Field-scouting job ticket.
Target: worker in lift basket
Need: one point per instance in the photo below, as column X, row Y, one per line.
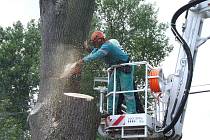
column 112, row 53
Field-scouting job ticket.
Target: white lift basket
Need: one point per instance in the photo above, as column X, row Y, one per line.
column 141, row 125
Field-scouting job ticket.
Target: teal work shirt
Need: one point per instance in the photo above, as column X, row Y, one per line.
column 111, row 52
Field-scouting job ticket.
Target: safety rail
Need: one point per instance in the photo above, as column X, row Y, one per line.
column 154, row 107
column 145, row 89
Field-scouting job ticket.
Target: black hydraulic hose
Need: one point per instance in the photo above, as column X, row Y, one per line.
column 189, row 60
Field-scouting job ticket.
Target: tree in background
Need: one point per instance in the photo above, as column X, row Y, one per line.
column 134, row 23
column 19, row 74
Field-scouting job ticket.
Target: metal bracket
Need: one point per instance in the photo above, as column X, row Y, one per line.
column 201, row 41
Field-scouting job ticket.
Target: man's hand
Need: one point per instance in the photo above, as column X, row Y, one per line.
column 77, row 69
column 80, row 62
column 72, row 69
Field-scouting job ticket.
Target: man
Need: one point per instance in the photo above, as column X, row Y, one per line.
column 112, row 53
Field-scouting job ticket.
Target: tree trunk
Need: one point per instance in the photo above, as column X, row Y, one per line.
column 64, row 26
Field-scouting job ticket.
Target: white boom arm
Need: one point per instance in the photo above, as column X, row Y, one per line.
column 176, row 84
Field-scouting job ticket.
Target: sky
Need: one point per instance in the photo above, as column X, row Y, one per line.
column 14, row 10
column 197, row 118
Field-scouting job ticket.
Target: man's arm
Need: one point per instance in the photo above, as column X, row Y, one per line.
column 95, row 55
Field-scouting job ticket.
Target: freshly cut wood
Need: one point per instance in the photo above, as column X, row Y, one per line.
column 77, row 95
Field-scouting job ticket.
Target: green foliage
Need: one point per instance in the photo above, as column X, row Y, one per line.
column 134, row 24
column 87, row 78
column 19, row 74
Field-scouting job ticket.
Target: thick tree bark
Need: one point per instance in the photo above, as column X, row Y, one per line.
column 64, row 26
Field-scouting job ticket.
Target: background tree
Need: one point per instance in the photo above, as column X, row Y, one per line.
column 134, row 23
column 19, row 61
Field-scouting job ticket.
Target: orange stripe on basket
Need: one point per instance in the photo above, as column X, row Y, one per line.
column 154, row 82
